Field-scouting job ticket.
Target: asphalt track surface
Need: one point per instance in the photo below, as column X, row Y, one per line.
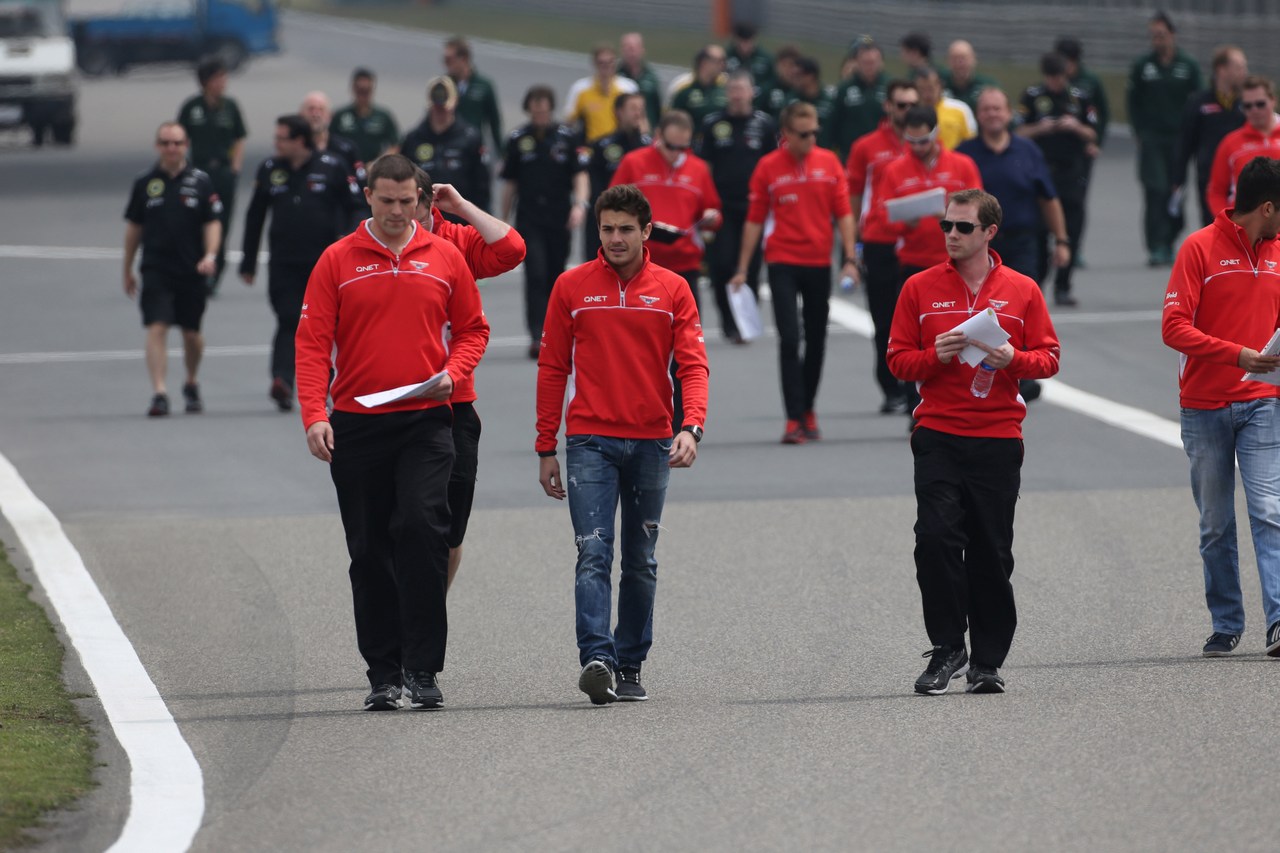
column 788, row 629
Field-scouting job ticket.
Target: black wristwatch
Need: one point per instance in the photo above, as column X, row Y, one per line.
column 693, row 430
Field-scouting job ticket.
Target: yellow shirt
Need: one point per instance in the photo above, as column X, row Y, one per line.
column 953, row 126
column 595, row 108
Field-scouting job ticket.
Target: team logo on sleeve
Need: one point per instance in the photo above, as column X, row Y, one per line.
column 424, row 152
column 155, row 188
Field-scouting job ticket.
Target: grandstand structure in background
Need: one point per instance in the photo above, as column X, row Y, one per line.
column 1113, row 32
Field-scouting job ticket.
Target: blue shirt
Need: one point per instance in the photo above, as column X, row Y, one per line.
column 1018, row 177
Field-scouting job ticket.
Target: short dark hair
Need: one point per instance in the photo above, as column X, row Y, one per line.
column 678, row 119
column 394, row 167
column 1162, row 17
column 1259, row 182
column 209, row 68
column 1254, row 81
column 1053, row 65
column 787, row 51
column 919, row 42
column 625, row 198
column 424, row 184
column 298, row 128
column 1069, row 47
column 1222, row 55
column 861, row 45
column 621, row 101
column 989, row 212
column 603, row 47
column 363, row 73
column 895, row 85
column 460, row 47
column 921, row 116
column 538, row 92
column 808, row 65
column 744, row 31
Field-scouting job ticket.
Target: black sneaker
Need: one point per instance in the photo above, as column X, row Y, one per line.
column 1273, row 640
column 282, row 393
column 945, row 663
column 984, row 679
column 596, row 680
column 1219, row 645
column 629, row 687
column 191, row 393
column 159, row 406
column 385, row 697
column 424, row 695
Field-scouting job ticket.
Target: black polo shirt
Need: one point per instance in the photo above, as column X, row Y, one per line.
column 732, row 145
column 542, row 163
column 311, row 207
column 173, row 212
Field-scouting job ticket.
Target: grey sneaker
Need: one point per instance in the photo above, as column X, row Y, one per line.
column 596, row 680
column 629, row 687
column 424, row 694
column 1219, row 645
column 984, row 679
column 945, row 663
column 1273, row 640
column 385, row 697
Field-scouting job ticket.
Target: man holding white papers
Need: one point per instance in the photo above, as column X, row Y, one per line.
column 968, row 440
column 1223, row 299
column 398, row 305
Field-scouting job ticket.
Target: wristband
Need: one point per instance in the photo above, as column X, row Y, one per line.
column 546, row 453
column 853, row 261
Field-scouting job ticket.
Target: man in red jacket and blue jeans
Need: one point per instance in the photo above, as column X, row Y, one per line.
column 387, row 306
column 967, row 442
column 1221, row 307
column 613, row 325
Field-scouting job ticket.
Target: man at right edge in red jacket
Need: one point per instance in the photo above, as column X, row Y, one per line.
column 1221, row 307
column 967, row 442
column 613, row 325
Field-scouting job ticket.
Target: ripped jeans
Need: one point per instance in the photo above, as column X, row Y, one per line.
column 601, row 473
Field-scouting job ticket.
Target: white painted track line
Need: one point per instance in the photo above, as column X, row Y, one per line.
column 166, row 787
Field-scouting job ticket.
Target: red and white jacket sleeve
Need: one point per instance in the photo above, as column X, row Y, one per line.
column 555, row 363
column 910, row 358
column 1039, row 357
column 485, row 260
column 1181, row 299
column 691, row 358
column 1218, row 191
column 314, row 339
column 468, row 328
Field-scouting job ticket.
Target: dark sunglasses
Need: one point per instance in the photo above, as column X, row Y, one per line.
column 166, row 143
column 965, row 228
column 806, row 134
column 672, row 147
column 1253, row 105
column 904, row 105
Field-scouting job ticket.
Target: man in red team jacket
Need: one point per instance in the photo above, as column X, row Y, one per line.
column 386, row 298
column 1221, row 308
column 1260, row 137
column 799, row 189
column 490, row 247
column 968, row 441
column 614, row 325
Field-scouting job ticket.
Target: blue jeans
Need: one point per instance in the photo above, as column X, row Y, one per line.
column 1215, row 440
column 600, row 471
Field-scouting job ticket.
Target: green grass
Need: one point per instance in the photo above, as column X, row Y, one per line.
column 664, row 45
column 46, row 747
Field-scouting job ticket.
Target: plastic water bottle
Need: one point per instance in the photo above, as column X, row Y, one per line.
column 846, row 284
column 982, row 380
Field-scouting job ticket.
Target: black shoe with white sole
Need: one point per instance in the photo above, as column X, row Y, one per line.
column 1273, row 640
column 424, row 694
column 945, row 663
column 596, row 680
column 629, row 687
column 984, row 679
column 1219, row 645
column 385, row 697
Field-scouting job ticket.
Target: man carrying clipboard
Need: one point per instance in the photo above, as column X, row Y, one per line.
column 1223, row 299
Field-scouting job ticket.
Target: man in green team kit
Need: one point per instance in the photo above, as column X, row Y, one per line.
column 477, row 97
column 1159, row 84
column 371, row 128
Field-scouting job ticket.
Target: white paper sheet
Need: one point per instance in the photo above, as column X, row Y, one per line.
column 404, row 392
column 917, row 205
column 746, row 313
column 1272, row 348
column 983, row 326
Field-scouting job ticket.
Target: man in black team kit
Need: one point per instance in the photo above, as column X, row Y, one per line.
column 606, row 153
column 312, row 198
column 173, row 215
column 732, row 142
column 447, row 148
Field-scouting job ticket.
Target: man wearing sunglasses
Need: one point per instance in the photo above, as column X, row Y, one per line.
column 867, row 157
column 800, row 189
column 967, row 444
column 1260, row 137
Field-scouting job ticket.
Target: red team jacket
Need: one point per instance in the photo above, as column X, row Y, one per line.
column 611, row 342
column 867, row 158
column 936, row 301
column 394, row 320
column 796, row 201
column 924, row 245
column 1223, row 295
column 1234, row 152
column 678, row 195
column 484, row 261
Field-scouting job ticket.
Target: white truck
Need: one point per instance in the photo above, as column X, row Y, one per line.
column 38, row 78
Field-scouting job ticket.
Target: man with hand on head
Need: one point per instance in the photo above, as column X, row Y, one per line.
column 967, row 444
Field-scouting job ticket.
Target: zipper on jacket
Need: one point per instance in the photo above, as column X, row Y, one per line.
column 1252, row 262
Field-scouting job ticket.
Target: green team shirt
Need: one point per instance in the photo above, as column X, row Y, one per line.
column 478, row 106
column 1157, row 93
column 1091, row 87
column 968, row 94
column 856, row 111
column 371, row 135
column 700, row 101
column 760, row 64
column 650, row 87
column 213, row 130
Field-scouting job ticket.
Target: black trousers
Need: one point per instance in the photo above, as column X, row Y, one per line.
column 286, row 286
column 391, row 473
column 883, row 283
column 546, row 251
column 722, row 262
column 677, row 392
column 800, row 375
column 966, row 491
column 466, row 464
